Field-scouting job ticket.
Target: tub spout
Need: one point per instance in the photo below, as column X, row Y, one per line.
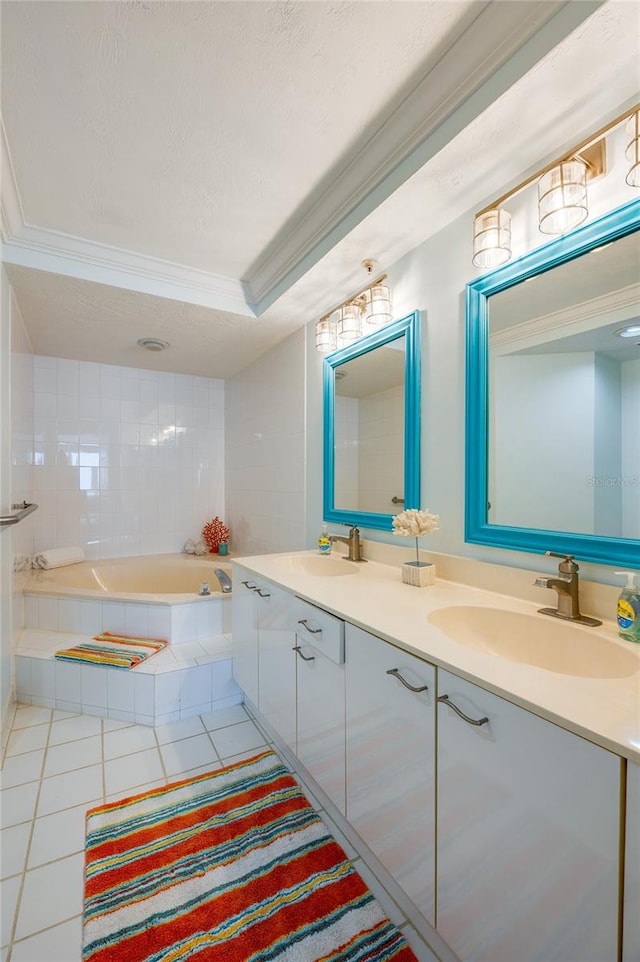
column 224, row 579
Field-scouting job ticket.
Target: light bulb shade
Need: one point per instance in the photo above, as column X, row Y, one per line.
column 562, row 197
column 632, row 150
column 349, row 324
column 492, row 238
column 326, row 336
column 378, row 310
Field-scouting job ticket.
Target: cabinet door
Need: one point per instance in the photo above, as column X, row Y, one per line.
column 390, row 748
column 244, row 632
column 321, row 719
column 277, row 661
column 527, row 836
column 631, row 925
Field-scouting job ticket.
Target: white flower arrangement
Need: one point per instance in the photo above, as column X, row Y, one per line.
column 413, row 523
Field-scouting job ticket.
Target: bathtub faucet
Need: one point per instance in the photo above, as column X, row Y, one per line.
column 224, row 579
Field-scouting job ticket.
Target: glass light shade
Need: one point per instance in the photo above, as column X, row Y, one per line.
column 349, row 324
column 326, row 336
column 632, row 150
column 562, row 197
column 492, row 238
column 378, row 309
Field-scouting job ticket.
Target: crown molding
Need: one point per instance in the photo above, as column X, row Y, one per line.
column 59, row 253
column 10, row 203
column 618, row 306
column 503, row 42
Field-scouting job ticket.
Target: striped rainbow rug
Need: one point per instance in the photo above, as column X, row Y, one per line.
column 232, row 866
column 115, row 651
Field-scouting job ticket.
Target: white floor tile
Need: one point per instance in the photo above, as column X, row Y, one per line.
column 70, row 789
column 74, row 727
column 71, row 755
column 18, row 804
column 63, row 943
column 27, row 739
column 127, row 741
column 58, row 835
column 28, row 715
column 236, row 739
column 114, row 725
column 19, row 769
column 189, row 753
column 51, row 894
column 60, row 714
column 175, row 731
column 224, row 717
column 13, row 849
column 139, row 789
column 10, row 891
column 200, row 770
column 131, row 771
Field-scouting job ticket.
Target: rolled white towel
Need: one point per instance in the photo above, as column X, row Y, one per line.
column 58, row 557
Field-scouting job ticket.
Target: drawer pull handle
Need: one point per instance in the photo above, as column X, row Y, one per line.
column 250, row 585
column 313, row 631
column 396, row 672
column 471, row 721
column 263, row 594
column 304, row 657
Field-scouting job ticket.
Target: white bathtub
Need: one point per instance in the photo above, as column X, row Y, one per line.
column 148, row 595
column 165, row 579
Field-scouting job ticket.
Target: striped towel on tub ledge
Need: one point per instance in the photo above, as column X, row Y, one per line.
column 115, row 651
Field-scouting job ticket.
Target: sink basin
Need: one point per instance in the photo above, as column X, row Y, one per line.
column 318, row 566
column 536, row 640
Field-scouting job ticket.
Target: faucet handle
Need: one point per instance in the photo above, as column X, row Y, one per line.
column 568, row 564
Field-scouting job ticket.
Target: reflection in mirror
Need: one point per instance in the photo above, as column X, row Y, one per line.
column 564, row 397
column 372, row 427
column 553, row 397
column 369, row 430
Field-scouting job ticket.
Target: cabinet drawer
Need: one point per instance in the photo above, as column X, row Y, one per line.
column 320, row 629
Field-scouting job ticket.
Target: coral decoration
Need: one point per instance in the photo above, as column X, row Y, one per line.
column 413, row 523
column 214, row 533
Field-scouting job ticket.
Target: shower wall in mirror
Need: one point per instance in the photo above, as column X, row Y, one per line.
column 553, row 396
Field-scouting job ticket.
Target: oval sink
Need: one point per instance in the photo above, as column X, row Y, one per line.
column 536, row 640
column 318, row 566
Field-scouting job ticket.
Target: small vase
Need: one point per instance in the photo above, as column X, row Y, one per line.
column 418, row 573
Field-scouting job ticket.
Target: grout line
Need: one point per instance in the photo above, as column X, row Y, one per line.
column 102, row 761
column 48, row 928
column 162, row 764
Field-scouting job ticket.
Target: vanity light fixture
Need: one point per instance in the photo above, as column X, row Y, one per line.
column 632, row 150
column 562, row 192
column 344, row 323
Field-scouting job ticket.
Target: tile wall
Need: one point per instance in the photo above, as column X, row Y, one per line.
column 265, row 451
column 125, row 461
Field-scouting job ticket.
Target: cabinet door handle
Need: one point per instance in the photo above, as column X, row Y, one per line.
column 313, row 631
column 250, row 586
column 396, row 673
column 304, row 657
column 263, row 594
column 471, row 721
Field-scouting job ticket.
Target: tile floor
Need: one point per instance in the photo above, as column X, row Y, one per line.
column 56, row 766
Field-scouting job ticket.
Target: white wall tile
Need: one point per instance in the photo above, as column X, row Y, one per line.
column 113, row 616
column 43, row 678
column 90, row 617
column 120, row 691
column 144, row 694
column 31, row 611
column 136, row 619
column 195, row 686
column 68, row 615
column 167, row 692
column 208, row 619
column 183, row 623
column 48, row 614
column 223, row 685
column 93, row 686
column 23, row 676
column 159, row 622
column 67, row 683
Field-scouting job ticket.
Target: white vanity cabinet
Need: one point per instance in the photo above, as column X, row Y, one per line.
column 244, row 601
column 320, row 698
column 390, row 744
column 631, row 926
column 527, row 838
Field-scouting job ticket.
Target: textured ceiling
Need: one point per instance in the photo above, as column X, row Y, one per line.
column 193, row 132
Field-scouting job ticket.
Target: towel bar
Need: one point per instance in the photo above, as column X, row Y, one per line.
column 22, row 510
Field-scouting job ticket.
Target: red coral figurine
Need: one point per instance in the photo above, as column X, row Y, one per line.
column 214, row 533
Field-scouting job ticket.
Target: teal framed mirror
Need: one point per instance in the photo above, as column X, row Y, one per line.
column 372, row 427
column 553, row 397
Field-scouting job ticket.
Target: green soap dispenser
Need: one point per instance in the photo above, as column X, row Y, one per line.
column 629, row 608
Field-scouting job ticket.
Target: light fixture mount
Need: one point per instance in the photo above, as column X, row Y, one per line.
column 153, row 343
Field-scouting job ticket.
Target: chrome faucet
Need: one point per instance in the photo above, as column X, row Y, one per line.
column 567, row 586
column 353, row 542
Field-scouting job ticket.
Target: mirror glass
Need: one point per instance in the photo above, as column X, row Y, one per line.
column 371, row 422
column 553, row 403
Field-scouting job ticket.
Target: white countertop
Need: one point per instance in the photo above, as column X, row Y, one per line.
column 604, row 710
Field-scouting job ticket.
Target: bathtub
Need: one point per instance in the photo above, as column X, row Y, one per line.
column 148, row 595
column 164, row 579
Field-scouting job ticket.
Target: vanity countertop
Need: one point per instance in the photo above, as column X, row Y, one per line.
column 604, row 710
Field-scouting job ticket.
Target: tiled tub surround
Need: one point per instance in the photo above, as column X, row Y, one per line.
column 177, row 683
column 68, row 605
column 89, row 598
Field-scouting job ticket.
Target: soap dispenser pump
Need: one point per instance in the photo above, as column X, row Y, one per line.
column 628, row 613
